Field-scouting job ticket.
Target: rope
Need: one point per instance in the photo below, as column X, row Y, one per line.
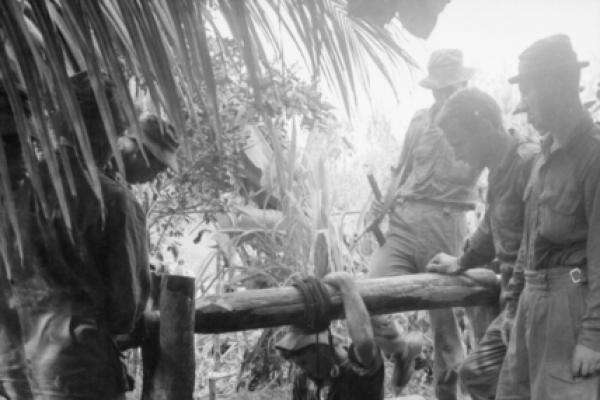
column 317, row 316
column 317, row 304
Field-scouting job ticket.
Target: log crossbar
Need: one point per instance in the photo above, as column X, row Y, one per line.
column 168, row 345
column 254, row 309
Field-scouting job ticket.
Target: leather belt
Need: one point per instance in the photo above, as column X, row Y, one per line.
column 555, row 277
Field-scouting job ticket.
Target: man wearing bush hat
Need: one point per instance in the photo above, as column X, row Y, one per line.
column 72, row 289
column 554, row 350
column 427, row 201
column 159, row 144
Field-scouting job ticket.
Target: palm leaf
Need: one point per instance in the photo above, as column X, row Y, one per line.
column 164, row 45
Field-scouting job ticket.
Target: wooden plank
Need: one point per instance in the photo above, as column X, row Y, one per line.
column 264, row 308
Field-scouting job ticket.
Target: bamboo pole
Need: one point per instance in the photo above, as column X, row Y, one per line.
column 253, row 309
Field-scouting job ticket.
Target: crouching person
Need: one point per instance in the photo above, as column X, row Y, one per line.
column 153, row 153
column 335, row 371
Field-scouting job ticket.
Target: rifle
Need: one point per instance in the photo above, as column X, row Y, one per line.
column 400, row 174
column 374, row 226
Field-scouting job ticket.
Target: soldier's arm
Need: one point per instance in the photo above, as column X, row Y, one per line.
column 126, row 264
column 590, row 328
column 479, row 248
column 399, row 173
column 404, row 165
column 357, row 320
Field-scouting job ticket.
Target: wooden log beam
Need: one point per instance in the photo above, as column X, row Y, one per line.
column 253, row 309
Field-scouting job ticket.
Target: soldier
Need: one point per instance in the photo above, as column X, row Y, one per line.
column 160, row 146
column 472, row 123
column 339, row 372
column 13, row 374
column 554, row 348
column 76, row 289
column 428, row 199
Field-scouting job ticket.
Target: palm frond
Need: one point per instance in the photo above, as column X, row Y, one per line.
column 163, row 44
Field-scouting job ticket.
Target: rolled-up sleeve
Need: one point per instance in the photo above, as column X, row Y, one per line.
column 590, row 328
column 126, row 264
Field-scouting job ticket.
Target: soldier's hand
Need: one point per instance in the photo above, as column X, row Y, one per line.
column 339, row 280
column 505, row 297
column 585, row 361
column 443, row 263
column 377, row 209
column 507, row 324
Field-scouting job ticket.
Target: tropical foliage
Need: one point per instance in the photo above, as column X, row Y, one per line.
column 231, row 108
column 163, row 44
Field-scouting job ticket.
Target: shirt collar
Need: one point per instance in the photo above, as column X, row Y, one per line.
column 549, row 146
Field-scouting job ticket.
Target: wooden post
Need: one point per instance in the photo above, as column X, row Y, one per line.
column 174, row 373
column 212, row 388
column 150, row 343
column 253, row 309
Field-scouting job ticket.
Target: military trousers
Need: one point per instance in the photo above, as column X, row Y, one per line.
column 417, row 232
column 480, row 371
column 544, row 335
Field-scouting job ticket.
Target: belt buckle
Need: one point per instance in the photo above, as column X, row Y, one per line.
column 576, row 275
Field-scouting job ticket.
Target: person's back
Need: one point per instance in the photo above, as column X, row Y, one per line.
column 74, row 288
column 74, row 292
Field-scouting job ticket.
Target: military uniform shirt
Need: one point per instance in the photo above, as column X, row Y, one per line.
column 562, row 217
column 499, row 234
column 433, row 171
column 71, row 295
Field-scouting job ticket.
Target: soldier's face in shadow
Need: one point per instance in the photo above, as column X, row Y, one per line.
column 442, row 94
column 318, row 361
column 534, row 106
column 548, row 97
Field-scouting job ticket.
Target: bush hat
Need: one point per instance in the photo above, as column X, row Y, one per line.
column 445, row 68
column 550, row 54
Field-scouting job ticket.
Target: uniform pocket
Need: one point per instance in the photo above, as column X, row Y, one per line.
column 563, row 202
column 558, row 212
